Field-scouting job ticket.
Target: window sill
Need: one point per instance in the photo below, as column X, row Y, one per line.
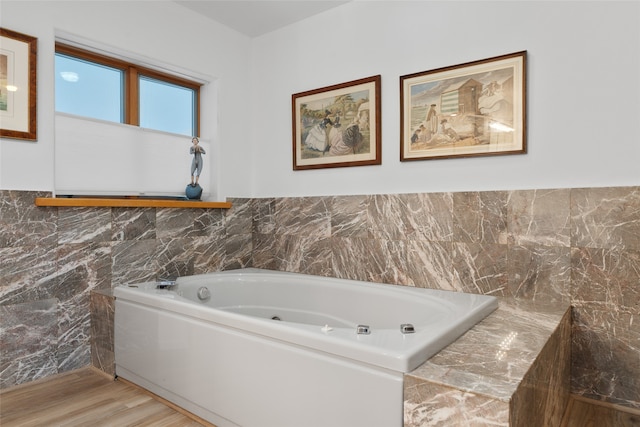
column 128, row 203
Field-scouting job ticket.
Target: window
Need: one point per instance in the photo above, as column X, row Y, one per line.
column 97, row 94
column 93, row 85
column 166, row 106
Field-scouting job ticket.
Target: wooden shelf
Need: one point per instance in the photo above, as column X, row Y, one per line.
column 128, row 203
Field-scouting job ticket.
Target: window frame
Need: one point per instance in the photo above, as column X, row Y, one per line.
column 131, row 74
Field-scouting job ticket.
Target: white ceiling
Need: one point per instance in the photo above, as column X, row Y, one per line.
column 255, row 18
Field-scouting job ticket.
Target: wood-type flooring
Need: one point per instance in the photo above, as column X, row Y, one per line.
column 89, row 398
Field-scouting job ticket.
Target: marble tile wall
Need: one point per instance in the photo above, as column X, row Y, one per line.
column 51, row 259
column 580, row 246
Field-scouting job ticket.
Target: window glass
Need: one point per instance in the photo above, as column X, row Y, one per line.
column 167, row 107
column 89, row 89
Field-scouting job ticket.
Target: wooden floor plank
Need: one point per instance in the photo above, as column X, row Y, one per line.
column 86, row 398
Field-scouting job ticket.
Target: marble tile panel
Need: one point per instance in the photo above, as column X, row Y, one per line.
column 480, row 217
column 181, row 223
column 190, row 255
column 102, row 331
column 82, row 267
column 83, row 224
column 540, row 273
column 373, row 260
column 606, row 281
column 264, row 211
column 238, row 219
column 388, row 217
column 494, row 356
column 543, row 395
column 304, row 216
column 22, row 223
column 435, row 405
column 28, row 338
column 102, row 307
column 606, row 217
column 303, row 255
column 317, row 256
column 133, row 223
column 237, row 253
column 74, row 332
column 103, row 359
column 480, row 268
column 349, row 216
column 540, row 217
column 208, row 222
column 26, row 273
column 176, row 257
column 606, row 338
column 264, row 248
column 175, row 223
column 604, row 367
column 134, row 261
column 428, row 216
column 429, row 264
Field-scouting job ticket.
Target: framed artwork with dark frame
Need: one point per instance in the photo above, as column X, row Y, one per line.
column 337, row 126
column 472, row 109
column 18, row 84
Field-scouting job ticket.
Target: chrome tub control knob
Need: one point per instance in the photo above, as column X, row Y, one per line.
column 204, row 293
column 407, row 328
column 363, row 330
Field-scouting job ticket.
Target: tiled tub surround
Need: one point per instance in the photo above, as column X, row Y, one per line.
column 511, row 369
column 577, row 246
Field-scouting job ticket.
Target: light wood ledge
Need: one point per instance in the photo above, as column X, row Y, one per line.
column 128, row 203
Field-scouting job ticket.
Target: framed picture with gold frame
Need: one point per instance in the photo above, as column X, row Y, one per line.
column 18, row 84
column 337, row 126
column 472, row 109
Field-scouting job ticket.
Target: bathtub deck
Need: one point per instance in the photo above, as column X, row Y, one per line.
column 511, row 369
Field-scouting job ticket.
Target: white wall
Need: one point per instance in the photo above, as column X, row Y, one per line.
column 583, row 91
column 159, row 30
column 583, row 98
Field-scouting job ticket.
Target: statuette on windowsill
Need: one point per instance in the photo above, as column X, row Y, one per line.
column 193, row 190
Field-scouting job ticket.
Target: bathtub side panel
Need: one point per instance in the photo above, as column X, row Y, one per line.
column 231, row 377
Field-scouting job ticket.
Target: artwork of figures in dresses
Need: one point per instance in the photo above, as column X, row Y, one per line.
column 476, row 109
column 338, row 126
column 194, row 191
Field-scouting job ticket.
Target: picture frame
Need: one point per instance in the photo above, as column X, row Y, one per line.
column 338, row 125
column 18, row 85
column 473, row 109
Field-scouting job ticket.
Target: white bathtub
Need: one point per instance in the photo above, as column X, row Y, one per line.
column 226, row 360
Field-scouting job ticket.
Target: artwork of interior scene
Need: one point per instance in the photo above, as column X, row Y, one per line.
column 337, row 125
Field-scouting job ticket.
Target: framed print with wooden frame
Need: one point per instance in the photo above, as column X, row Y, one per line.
column 337, row 126
column 472, row 109
column 18, row 83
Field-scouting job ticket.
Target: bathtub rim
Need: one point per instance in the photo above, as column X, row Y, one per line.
column 384, row 348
